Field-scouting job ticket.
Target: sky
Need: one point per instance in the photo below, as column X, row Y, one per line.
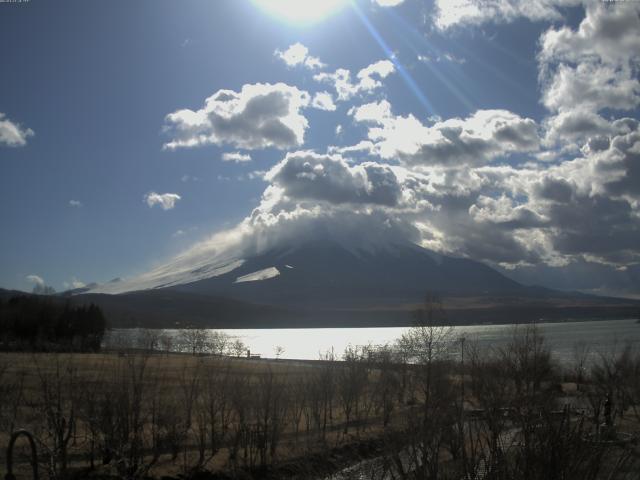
column 151, row 135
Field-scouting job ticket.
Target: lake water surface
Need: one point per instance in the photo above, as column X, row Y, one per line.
column 309, row 343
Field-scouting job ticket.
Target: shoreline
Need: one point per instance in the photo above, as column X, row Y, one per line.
column 542, row 321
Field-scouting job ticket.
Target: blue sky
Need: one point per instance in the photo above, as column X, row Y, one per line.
column 88, row 90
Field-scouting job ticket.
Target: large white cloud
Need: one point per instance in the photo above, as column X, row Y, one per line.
column 591, row 85
column 607, row 34
column 13, row 134
column 258, row 116
column 478, row 139
column 449, row 13
column 576, row 126
column 590, row 69
column 307, row 175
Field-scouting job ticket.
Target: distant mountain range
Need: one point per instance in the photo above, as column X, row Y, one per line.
column 324, row 283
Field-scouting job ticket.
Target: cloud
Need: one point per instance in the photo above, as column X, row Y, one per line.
column 259, row 116
column 367, row 80
column 388, row 3
column 365, row 146
column 609, row 35
column 582, row 209
column 446, row 57
column 39, row 287
column 575, row 126
column 503, row 210
column 36, row 280
column 307, row 175
column 74, row 283
column 13, row 134
column 590, row 69
column 166, row 200
column 591, row 85
column 323, row 101
column 470, row 186
column 189, row 178
column 478, row 139
column 298, row 55
column 595, row 66
column 579, row 210
column 236, row 157
column 450, row 13
column 75, row 203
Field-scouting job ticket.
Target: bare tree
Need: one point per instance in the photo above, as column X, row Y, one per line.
column 237, row 348
column 11, row 396
column 352, row 377
column 166, row 341
column 427, row 343
column 386, row 384
column 216, row 342
column 278, row 350
column 57, row 404
column 581, row 351
column 194, row 340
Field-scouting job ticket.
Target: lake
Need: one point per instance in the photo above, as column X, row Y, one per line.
column 309, row 343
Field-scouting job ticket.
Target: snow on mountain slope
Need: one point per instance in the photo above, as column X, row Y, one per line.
column 263, row 274
column 218, row 255
column 227, row 251
column 166, row 276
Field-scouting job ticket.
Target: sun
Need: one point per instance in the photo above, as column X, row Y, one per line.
column 301, row 11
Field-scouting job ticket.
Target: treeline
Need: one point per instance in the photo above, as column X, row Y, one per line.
column 42, row 324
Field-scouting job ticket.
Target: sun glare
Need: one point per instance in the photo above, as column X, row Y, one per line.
column 301, row 11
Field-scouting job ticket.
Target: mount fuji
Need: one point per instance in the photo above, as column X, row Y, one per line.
column 323, row 282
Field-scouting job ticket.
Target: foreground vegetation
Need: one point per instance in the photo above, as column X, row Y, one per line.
column 422, row 412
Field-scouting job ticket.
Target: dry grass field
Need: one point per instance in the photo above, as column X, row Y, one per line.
column 168, row 414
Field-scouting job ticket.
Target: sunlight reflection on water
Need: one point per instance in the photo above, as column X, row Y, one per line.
column 309, row 343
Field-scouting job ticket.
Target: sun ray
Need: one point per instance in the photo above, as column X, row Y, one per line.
column 404, row 74
column 450, row 83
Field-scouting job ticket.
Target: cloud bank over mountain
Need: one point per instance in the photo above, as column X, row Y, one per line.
column 492, row 185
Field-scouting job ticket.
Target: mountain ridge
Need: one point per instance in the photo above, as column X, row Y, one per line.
column 319, row 283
